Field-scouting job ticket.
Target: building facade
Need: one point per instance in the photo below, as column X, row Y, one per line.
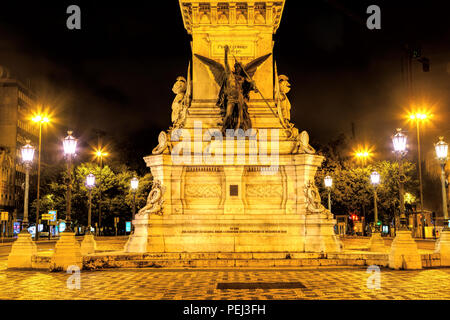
column 16, row 105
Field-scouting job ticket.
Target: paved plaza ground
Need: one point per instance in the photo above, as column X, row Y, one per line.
column 188, row 284
column 202, row 284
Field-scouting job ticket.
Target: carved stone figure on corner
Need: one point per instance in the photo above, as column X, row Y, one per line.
column 314, row 204
column 301, row 142
column 282, row 87
column 235, row 87
column 182, row 101
column 155, row 200
column 163, row 143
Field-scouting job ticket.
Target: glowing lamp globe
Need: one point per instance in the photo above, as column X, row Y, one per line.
column 134, row 184
column 328, row 181
column 70, row 144
column 90, row 180
column 441, row 149
column 27, row 152
column 399, row 141
column 375, row 178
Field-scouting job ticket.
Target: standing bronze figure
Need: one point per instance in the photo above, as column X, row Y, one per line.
column 235, row 87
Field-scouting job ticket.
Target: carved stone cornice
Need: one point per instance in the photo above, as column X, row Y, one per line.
column 203, row 13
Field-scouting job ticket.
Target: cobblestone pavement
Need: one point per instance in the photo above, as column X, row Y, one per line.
column 189, row 284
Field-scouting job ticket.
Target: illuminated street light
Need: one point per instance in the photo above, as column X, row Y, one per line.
column 443, row 245
column 90, row 183
column 100, row 154
column 376, row 242
column 27, row 158
column 362, row 155
column 24, row 249
column 40, row 119
column 419, row 117
column 403, row 244
column 399, row 142
column 328, row 180
column 134, row 184
column 442, row 155
column 70, row 146
column 375, row 179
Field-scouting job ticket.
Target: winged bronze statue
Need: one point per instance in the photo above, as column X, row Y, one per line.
column 235, row 87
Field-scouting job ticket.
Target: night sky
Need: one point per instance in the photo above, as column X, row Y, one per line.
column 116, row 73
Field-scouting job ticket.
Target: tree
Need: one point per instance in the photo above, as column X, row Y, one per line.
column 112, row 183
column 352, row 188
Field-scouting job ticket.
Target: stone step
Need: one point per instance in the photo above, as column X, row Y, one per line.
column 105, row 260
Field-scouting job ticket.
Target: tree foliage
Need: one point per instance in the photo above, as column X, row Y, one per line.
column 352, row 191
column 112, row 186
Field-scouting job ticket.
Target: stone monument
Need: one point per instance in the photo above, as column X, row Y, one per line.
column 233, row 174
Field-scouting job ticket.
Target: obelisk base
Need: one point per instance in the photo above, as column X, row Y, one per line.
column 67, row 252
column 376, row 243
column 88, row 245
column 404, row 253
column 23, row 249
column 443, row 247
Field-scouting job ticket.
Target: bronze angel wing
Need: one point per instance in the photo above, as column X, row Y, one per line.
column 217, row 69
column 253, row 65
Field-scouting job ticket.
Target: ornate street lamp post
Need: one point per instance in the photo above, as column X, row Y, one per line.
column 100, row 154
column 404, row 253
column 443, row 244
column 67, row 250
column 376, row 242
column 40, row 119
column 134, row 187
column 328, row 180
column 399, row 142
column 70, row 146
column 23, row 249
column 375, row 179
column 90, row 183
column 88, row 245
column 27, row 158
column 442, row 155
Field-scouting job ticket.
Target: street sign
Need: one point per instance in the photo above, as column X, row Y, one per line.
column 4, row 216
column 53, row 213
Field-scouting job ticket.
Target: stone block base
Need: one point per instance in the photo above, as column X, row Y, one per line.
column 376, row 243
column 67, row 253
column 88, row 245
column 233, row 233
column 22, row 251
column 404, row 253
column 137, row 242
column 443, row 248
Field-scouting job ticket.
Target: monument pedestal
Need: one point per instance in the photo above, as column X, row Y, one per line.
column 443, row 247
column 67, row 252
column 88, row 245
column 23, row 249
column 404, row 253
column 210, row 208
column 248, row 190
column 376, row 242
